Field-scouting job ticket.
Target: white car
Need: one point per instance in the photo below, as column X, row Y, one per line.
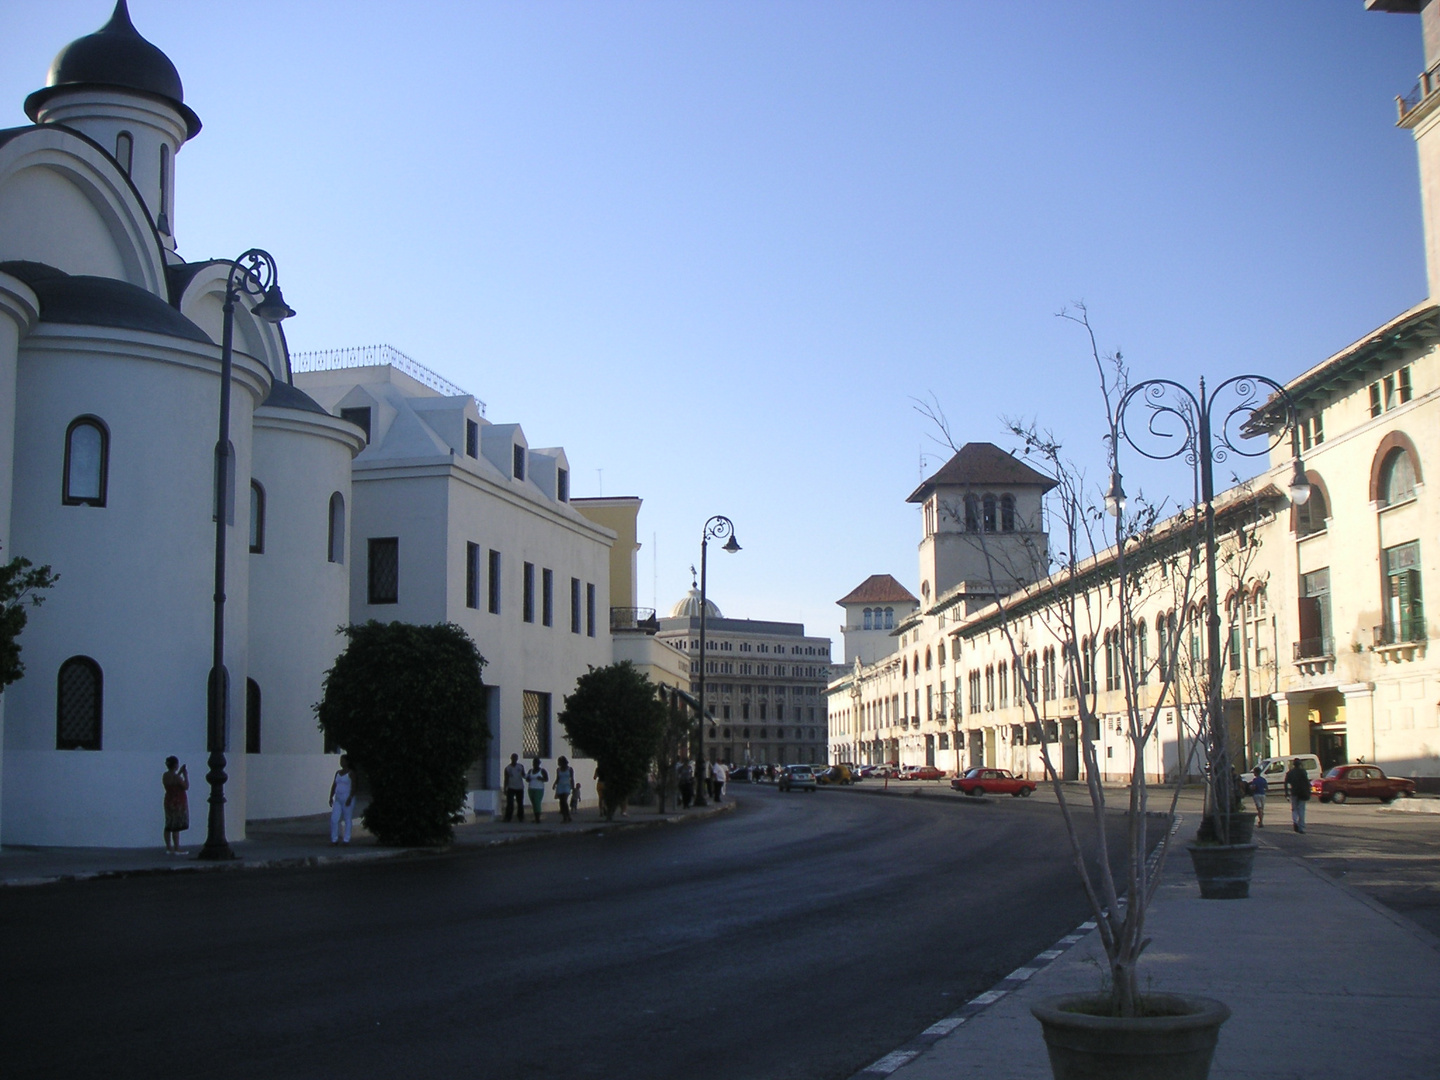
column 798, row 778
column 1273, row 769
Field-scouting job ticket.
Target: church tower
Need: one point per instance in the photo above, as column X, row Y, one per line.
column 116, row 88
column 984, row 529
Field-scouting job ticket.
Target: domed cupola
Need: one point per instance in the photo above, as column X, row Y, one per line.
column 689, row 607
column 115, row 56
column 121, row 91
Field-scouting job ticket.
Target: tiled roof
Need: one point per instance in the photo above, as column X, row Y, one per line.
column 985, row 464
column 879, row 589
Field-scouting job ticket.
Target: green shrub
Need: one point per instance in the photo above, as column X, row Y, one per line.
column 615, row 717
column 407, row 703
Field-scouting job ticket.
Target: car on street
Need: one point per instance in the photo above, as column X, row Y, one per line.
column 1273, row 769
column 921, row 772
column 993, row 782
column 745, row 774
column 835, row 774
column 798, row 778
column 1360, row 782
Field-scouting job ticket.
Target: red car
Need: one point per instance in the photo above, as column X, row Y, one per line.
column 993, row 782
column 1360, row 782
column 922, row 772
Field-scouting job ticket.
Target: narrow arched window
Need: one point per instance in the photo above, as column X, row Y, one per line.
column 1398, row 484
column 889, row 618
column 336, row 543
column 125, row 150
column 257, row 518
column 1007, row 513
column 162, row 220
column 252, row 716
column 989, row 504
column 87, row 462
column 869, row 619
column 79, row 701
column 928, row 660
column 940, row 654
column 1311, row 514
column 972, row 513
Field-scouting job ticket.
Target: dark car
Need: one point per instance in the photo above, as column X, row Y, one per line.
column 993, row 782
column 1360, row 782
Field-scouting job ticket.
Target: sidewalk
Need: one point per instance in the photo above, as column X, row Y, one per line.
column 305, row 841
column 1322, row 981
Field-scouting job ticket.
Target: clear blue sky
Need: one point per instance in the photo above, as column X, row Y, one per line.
column 715, row 249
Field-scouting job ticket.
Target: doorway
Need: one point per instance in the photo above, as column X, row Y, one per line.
column 930, row 750
column 1069, row 751
column 1328, row 744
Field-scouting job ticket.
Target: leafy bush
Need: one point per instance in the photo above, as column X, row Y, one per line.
column 21, row 583
column 408, row 705
column 615, row 717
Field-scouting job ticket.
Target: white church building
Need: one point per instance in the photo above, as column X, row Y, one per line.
column 110, row 367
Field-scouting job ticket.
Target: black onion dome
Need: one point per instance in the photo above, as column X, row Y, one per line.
column 115, row 56
column 284, row 396
column 85, row 300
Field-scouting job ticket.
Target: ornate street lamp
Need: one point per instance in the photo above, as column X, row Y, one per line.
column 251, row 275
column 1203, row 443
column 718, row 527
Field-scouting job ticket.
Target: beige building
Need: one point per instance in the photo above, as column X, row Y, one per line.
column 1325, row 636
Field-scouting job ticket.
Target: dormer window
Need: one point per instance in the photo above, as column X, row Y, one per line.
column 519, row 462
column 360, row 417
column 562, row 485
column 472, row 439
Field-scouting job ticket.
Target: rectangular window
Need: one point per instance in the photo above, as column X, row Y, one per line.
column 575, row 605
column 360, row 417
column 1404, row 607
column 384, row 576
column 1404, row 376
column 494, row 583
column 589, row 610
column 1390, row 399
column 547, row 597
column 527, row 603
column 535, row 725
column 472, row 439
column 1375, row 407
column 562, row 485
column 472, row 575
column 1315, row 639
column 519, row 457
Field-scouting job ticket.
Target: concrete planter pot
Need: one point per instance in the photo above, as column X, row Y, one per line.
column 1223, row 870
column 1240, row 827
column 1174, row 1046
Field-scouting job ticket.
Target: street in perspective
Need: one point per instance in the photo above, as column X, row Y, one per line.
column 475, row 701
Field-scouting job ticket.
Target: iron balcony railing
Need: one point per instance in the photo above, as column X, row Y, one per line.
column 634, row 618
column 1314, row 648
column 1428, row 83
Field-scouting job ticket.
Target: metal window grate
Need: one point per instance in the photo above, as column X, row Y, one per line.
column 78, row 702
column 535, row 732
column 384, row 570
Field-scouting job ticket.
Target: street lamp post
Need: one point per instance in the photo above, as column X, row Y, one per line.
column 1203, row 443
column 252, row 274
column 717, row 528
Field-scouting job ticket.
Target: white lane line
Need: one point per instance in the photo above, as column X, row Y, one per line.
column 1021, row 974
column 989, row 997
column 1051, row 954
column 944, row 1027
column 1087, row 925
column 892, row 1061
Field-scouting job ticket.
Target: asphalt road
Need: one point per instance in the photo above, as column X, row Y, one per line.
column 1392, row 856
column 802, row 936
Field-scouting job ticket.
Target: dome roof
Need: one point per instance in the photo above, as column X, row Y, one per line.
column 689, row 607
column 85, row 300
column 115, row 56
column 284, row 396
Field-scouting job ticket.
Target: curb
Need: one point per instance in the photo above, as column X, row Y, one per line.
column 292, row 862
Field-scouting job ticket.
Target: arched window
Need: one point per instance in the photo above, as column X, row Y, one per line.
column 162, row 219
column 928, row 659
column 869, row 618
column 87, row 462
column 940, row 654
column 889, row 618
column 335, row 545
column 1397, row 483
column 79, row 704
column 972, row 513
column 1007, row 513
column 257, row 518
column 125, row 150
column 1310, row 516
column 904, row 668
column 989, row 504
column 1141, row 657
column 252, row 716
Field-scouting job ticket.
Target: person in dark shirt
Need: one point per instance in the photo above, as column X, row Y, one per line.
column 1297, row 787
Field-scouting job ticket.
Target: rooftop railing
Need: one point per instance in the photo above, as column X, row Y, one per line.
column 634, row 618
column 377, row 356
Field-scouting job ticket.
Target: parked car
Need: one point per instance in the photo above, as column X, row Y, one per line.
column 922, row 772
column 1360, row 782
column 835, row 774
column 1273, row 769
column 798, row 778
column 744, row 774
column 993, row 782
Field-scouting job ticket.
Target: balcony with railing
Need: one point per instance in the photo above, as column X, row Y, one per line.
column 1315, row 656
column 641, row 620
column 1399, row 642
column 1420, row 102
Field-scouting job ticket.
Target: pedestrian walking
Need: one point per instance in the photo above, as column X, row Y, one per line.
column 564, row 786
column 176, row 782
column 514, row 784
column 1297, row 786
column 720, row 774
column 342, row 802
column 1258, row 787
column 535, row 780
column 685, row 777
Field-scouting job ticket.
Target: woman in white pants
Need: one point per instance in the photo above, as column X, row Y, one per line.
column 342, row 801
